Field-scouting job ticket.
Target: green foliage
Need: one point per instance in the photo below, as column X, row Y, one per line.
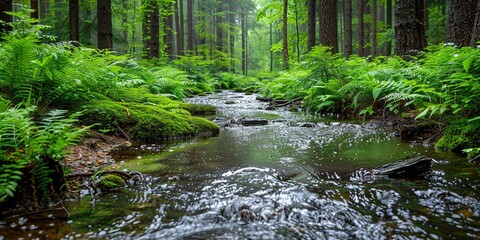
column 460, row 134
column 24, row 142
column 112, row 181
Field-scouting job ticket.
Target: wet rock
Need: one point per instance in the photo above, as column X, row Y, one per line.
column 229, row 102
column 307, row 125
column 262, row 99
column 409, row 168
column 253, row 122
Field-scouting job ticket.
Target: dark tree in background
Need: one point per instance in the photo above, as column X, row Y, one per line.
column 361, row 32
column 34, row 7
column 168, row 26
column 409, row 27
column 461, row 21
column 104, row 13
column 311, row 6
column 328, row 24
column 388, row 45
column 74, row 20
column 476, row 28
column 4, row 7
column 190, row 36
column 348, row 28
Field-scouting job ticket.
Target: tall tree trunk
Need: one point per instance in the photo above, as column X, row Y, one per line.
column 43, row 8
column 409, row 28
column 232, row 20
column 388, row 46
column 328, row 24
column 348, row 28
column 381, row 18
column 367, row 29
column 286, row 64
column 74, row 20
column 297, row 31
column 476, row 28
column 5, row 6
column 104, row 13
column 154, row 40
column 178, row 29
column 311, row 6
column 361, row 30
column 461, row 20
column 374, row 28
column 244, row 40
column 271, row 44
column 168, row 27
column 190, row 36
column 220, row 19
column 34, row 7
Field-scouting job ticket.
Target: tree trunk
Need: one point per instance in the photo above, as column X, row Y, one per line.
column 374, row 28
column 328, row 24
column 178, row 30
column 5, row 6
column 220, row 19
column 311, row 6
column 476, row 28
column 190, row 33
column 104, row 13
column 388, row 46
column 43, row 8
column 232, row 20
column 461, row 21
column 271, row 44
column 297, row 31
column 34, row 7
column 154, row 38
column 168, row 27
column 286, row 64
column 348, row 28
column 74, row 20
column 361, row 34
column 409, row 28
column 244, row 40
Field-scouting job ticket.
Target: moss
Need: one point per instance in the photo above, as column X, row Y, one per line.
column 111, row 181
column 145, row 121
column 145, row 164
column 460, row 135
column 199, row 109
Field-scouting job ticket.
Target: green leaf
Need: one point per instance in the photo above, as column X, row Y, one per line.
column 422, row 114
column 48, row 73
column 376, row 92
column 467, row 63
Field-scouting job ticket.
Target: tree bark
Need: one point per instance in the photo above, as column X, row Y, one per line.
column 286, row 64
column 154, row 40
column 244, row 40
column 361, row 33
column 409, row 28
column 476, row 28
column 388, row 46
column 74, row 20
column 232, row 20
column 220, row 19
column 178, row 29
column 328, row 24
column 297, row 31
column 104, row 13
column 34, row 7
column 168, row 27
column 348, row 28
column 5, row 6
column 461, row 21
column 190, row 33
column 374, row 28
column 311, row 6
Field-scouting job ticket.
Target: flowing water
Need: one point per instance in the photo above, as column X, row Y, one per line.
column 278, row 181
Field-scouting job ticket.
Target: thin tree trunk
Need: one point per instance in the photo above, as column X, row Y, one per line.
column 220, row 19
column 388, row 46
column 348, row 28
column 328, row 24
column 178, row 30
column 168, row 31
column 297, row 31
column 311, row 5
column 34, row 7
column 231, row 8
column 190, row 36
column 74, row 20
column 374, row 28
column 368, row 30
column 154, row 40
column 361, row 33
column 43, row 8
column 476, row 28
column 244, row 39
column 286, row 64
column 104, row 13
column 182, row 26
column 271, row 44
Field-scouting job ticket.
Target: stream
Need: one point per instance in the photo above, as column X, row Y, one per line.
column 277, row 181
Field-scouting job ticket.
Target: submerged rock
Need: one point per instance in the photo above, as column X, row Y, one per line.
column 409, row 168
column 253, row 122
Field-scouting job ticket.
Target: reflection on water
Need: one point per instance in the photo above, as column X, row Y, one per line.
column 279, row 181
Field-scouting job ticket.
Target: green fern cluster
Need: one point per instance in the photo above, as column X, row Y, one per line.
column 33, row 145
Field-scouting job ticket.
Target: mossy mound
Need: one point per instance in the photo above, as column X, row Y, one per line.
column 460, row 135
column 111, row 181
column 146, row 121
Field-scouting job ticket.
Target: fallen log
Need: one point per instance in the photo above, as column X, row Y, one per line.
column 408, row 168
